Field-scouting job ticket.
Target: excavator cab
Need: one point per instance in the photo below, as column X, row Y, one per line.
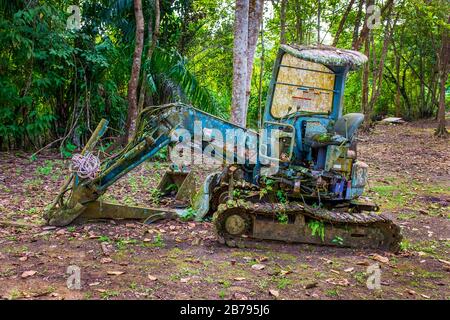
column 306, row 95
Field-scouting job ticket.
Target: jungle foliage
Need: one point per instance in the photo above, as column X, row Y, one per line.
column 56, row 83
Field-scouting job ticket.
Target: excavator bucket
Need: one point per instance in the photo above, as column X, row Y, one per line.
column 180, row 184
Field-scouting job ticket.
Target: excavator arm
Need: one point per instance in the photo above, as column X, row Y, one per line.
column 156, row 128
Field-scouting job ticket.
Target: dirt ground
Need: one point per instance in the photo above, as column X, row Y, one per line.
column 409, row 178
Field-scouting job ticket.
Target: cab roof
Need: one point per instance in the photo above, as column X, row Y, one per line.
column 327, row 55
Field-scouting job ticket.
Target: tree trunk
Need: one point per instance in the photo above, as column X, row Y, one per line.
column 444, row 54
column 254, row 22
column 319, row 11
column 366, row 71
column 298, row 22
column 365, row 80
column 357, row 24
column 283, row 21
column 153, row 35
column 378, row 67
column 397, row 82
column 342, row 23
column 238, row 98
column 261, row 74
column 378, row 75
column 130, row 126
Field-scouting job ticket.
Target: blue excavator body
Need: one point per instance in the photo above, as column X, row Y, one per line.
column 302, row 157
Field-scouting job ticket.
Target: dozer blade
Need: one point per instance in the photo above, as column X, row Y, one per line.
column 237, row 220
column 105, row 210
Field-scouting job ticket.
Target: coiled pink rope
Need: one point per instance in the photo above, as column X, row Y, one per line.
column 85, row 166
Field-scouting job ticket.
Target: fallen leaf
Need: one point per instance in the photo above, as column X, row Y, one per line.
column 349, row 269
column 29, row 273
column 327, row 260
column 411, row 292
column 380, row 258
column 425, row 296
column 152, row 278
column 105, row 260
column 60, row 232
column 274, row 293
column 444, row 261
column 258, row 266
column 93, row 284
column 115, row 273
column 311, row 285
column 239, row 279
column 363, row 263
column 335, row 271
column 285, row 272
column 343, row 282
column 47, row 228
column 240, row 296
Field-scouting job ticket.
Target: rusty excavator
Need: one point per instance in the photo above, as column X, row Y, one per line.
column 298, row 179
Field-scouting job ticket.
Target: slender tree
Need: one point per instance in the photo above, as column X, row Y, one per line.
column 254, row 21
column 444, row 56
column 283, row 21
column 319, row 12
column 248, row 16
column 342, row 22
column 240, row 62
column 130, row 126
column 357, row 23
column 153, row 35
column 378, row 70
column 298, row 22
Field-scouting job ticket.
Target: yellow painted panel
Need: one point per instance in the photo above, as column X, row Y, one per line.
column 290, row 96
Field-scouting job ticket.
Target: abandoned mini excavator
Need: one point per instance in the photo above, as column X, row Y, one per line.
column 307, row 187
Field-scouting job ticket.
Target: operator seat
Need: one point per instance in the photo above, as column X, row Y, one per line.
column 347, row 125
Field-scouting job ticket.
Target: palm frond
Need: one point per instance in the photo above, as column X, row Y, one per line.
column 182, row 84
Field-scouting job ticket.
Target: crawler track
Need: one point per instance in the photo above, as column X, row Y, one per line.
column 238, row 220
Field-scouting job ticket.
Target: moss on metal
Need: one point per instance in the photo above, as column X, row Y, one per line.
column 327, row 55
